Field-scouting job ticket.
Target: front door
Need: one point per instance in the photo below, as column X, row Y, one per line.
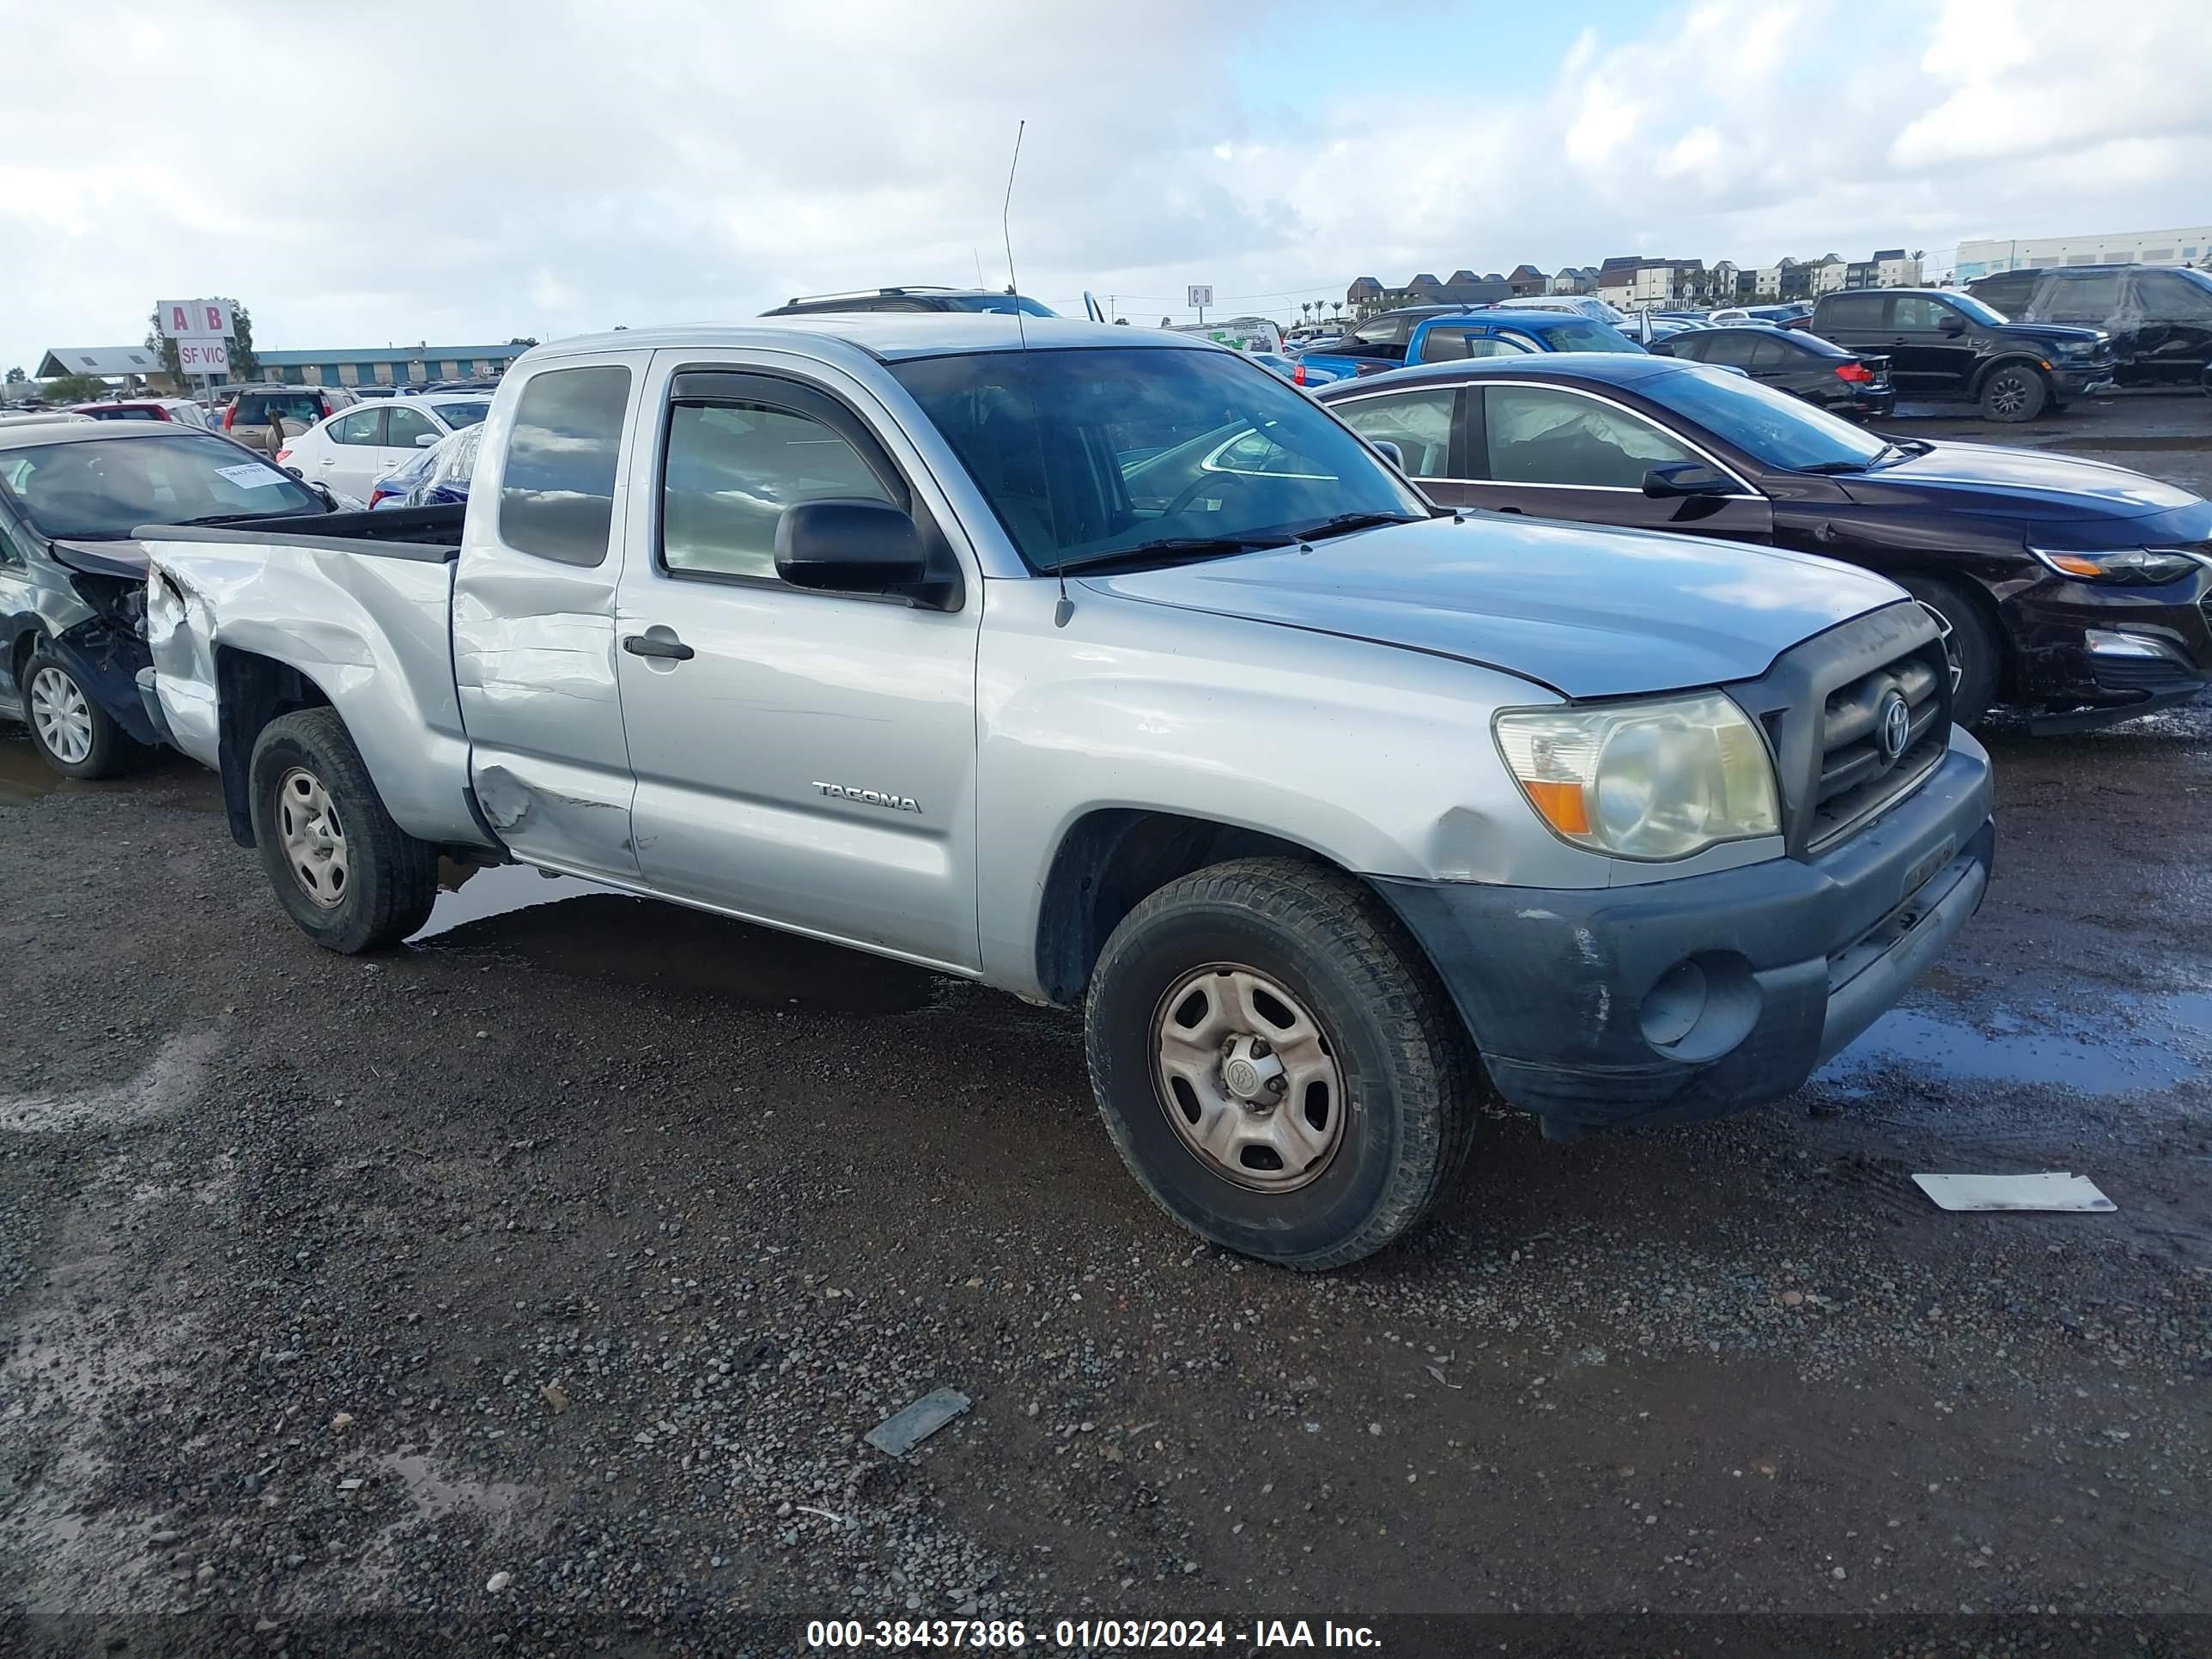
column 1932, row 345
column 801, row 757
column 1553, row 452
column 534, row 647
column 404, row 427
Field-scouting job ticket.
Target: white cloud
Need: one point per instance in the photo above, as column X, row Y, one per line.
column 463, row 173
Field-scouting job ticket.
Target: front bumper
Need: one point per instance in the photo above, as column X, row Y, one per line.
column 2057, row 627
column 2072, row 380
column 1692, row 997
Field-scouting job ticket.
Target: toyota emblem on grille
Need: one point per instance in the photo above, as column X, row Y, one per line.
column 1895, row 730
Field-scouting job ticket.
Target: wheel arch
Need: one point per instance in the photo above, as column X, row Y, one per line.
column 2013, row 359
column 251, row 691
column 1984, row 606
column 1110, row 859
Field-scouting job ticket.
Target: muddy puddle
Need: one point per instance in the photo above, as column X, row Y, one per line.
column 24, row 778
column 2129, row 1044
column 570, row 926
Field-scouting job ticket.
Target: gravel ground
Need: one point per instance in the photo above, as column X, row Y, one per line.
column 532, row 1287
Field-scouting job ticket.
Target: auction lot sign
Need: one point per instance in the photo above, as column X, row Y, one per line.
column 202, row 329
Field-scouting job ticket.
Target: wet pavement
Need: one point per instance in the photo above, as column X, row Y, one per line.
column 581, row 1240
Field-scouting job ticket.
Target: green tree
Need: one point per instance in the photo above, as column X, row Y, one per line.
column 15, row 375
column 244, row 365
column 75, row 389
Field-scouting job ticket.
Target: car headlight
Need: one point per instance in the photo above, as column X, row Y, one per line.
column 2138, row 567
column 1655, row 780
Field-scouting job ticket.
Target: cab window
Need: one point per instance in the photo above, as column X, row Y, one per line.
column 732, row 468
column 556, row 495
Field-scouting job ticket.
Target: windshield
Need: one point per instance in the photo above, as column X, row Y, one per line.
column 104, row 488
column 1003, row 305
column 1087, row 454
column 458, row 415
column 1980, row 310
column 1771, row 426
column 1578, row 335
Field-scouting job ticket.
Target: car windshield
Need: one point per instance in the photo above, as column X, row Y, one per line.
column 1580, row 334
column 458, row 415
column 1980, row 310
column 1087, row 454
column 1771, row 426
column 104, row 488
column 1003, row 305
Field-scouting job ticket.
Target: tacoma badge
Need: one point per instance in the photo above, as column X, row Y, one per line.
column 882, row 797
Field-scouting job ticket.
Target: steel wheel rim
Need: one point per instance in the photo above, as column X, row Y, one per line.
column 1248, row 1078
column 2011, row 394
column 313, row 837
column 62, row 715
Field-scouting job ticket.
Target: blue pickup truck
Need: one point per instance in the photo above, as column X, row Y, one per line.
column 1441, row 334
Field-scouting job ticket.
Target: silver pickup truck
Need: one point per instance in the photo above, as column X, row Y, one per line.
column 1103, row 666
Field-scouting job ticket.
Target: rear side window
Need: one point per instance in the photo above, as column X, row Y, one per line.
column 361, row 426
column 1732, row 349
column 1774, row 354
column 557, row 490
column 1851, row 311
column 2162, row 295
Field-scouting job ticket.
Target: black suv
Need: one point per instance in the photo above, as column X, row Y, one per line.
column 2160, row 317
column 912, row 299
column 1944, row 343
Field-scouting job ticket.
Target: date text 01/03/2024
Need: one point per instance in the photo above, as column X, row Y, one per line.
column 1089, row 1634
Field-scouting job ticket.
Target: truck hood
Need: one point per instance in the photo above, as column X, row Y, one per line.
column 1998, row 482
column 2046, row 334
column 1589, row 613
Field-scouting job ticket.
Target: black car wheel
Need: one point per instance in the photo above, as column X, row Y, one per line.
column 71, row 732
column 1278, row 1063
column 2014, row 392
column 1975, row 651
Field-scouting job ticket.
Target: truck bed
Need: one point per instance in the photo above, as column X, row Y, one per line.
column 429, row 535
column 358, row 606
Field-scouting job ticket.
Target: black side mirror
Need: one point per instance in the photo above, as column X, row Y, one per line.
column 1953, row 325
column 1389, row 452
column 1679, row 479
column 850, row 547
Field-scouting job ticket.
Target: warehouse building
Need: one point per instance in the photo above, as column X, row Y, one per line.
column 415, row 365
column 2188, row 247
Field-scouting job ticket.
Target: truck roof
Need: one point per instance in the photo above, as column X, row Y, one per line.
column 888, row 336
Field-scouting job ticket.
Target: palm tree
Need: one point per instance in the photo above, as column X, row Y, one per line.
column 1337, row 306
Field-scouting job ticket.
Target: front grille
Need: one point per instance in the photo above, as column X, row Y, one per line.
column 1857, row 778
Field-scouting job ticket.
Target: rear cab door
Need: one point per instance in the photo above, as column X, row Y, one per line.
column 533, row 616
column 802, row 758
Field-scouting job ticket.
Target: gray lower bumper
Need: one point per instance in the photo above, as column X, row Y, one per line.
column 1688, row 998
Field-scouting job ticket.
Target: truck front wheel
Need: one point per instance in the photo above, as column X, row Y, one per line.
column 1278, row 1063
column 353, row 879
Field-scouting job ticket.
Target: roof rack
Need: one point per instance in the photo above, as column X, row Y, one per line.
column 870, row 293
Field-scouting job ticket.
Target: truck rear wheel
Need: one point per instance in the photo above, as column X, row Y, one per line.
column 350, row 878
column 1278, row 1063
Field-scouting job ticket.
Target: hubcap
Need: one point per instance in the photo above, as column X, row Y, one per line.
column 313, row 838
column 62, row 717
column 1248, row 1078
column 2011, row 394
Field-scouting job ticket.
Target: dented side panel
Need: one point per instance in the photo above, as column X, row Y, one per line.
column 370, row 633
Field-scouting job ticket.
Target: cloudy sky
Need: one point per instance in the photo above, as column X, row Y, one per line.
column 470, row 170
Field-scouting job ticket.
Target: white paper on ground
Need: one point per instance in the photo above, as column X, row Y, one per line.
column 2049, row 1191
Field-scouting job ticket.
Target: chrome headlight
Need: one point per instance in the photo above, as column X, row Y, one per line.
column 1661, row 779
column 2136, row 567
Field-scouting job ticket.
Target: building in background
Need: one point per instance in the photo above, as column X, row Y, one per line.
column 1827, row 274
column 2188, row 246
column 1895, row 268
column 387, row 365
column 102, row 362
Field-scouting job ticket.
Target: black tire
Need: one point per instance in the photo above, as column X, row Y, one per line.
column 1975, row 648
column 1403, row 1058
column 112, row 751
column 390, row 878
column 2014, row 392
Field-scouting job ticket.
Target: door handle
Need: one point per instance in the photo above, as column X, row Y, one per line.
column 644, row 645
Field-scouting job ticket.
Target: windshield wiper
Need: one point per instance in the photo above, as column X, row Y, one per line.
column 1171, row 549
column 1344, row 523
column 1825, row 467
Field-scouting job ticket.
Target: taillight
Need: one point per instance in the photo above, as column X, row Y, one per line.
column 326, row 407
column 378, row 493
column 284, row 454
column 1298, row 374
column 1855, row 371
column 160, row 413
column 230, row 418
